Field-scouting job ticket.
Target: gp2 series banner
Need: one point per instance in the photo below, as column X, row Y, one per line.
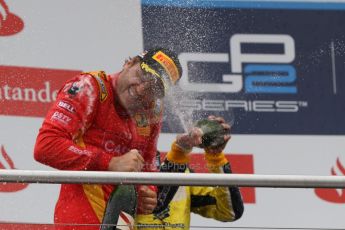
column 270, row 68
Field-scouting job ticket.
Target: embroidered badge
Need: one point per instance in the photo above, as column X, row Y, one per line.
column 74, row 89
column 143, row 126
column 100, row 76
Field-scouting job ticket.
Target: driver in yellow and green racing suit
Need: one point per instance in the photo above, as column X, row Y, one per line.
column 175, row 203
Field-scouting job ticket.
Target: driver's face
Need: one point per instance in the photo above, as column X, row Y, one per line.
column 137, row 89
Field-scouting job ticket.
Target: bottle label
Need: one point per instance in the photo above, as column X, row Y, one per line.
column 125, row 221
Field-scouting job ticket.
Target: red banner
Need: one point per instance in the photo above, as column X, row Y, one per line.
column 27, row 91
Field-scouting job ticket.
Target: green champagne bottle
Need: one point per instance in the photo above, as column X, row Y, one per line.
column 213, row 133
column 121, row 208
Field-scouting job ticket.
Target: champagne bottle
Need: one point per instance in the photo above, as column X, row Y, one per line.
column 121, row 208
column 213, row 133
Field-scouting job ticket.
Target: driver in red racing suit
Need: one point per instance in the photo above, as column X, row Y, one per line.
column 103, row 122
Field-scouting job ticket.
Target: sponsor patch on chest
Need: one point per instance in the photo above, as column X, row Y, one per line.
column 142, row 124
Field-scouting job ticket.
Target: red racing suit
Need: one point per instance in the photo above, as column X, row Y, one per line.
column 83, row 130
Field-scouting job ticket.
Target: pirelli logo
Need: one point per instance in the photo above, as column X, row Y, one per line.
column 168, row 64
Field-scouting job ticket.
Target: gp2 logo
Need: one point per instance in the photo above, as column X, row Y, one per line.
column 265, row 73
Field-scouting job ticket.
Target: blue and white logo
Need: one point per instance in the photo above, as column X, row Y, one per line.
column 251, row 72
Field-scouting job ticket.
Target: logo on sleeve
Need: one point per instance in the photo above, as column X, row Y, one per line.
column 74, row 89
column 62, row 118
column 100, row 77
column 66, row 106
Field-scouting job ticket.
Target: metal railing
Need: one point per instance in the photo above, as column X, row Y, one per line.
column 195, row 179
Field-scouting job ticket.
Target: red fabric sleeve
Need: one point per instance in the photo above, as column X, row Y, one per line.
column 57, row 142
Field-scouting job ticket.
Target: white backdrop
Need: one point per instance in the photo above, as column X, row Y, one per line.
column 92, row 35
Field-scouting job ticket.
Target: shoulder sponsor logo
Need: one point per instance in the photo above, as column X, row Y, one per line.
column 74, row 89
column 10, row 23
column 100, row 77
column 66, row 106
column 9, row 187
column 333, row 195
column 60, row 117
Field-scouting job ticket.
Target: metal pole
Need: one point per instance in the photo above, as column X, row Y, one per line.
column 199, row 179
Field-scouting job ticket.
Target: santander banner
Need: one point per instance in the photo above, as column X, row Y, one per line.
column 27, row 91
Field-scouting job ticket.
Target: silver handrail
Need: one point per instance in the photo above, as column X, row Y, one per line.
column 157, row 178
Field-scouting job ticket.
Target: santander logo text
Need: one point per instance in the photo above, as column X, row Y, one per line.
column 28, row 91
column 10, row 23
column 333, row 195
column 9, row 187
